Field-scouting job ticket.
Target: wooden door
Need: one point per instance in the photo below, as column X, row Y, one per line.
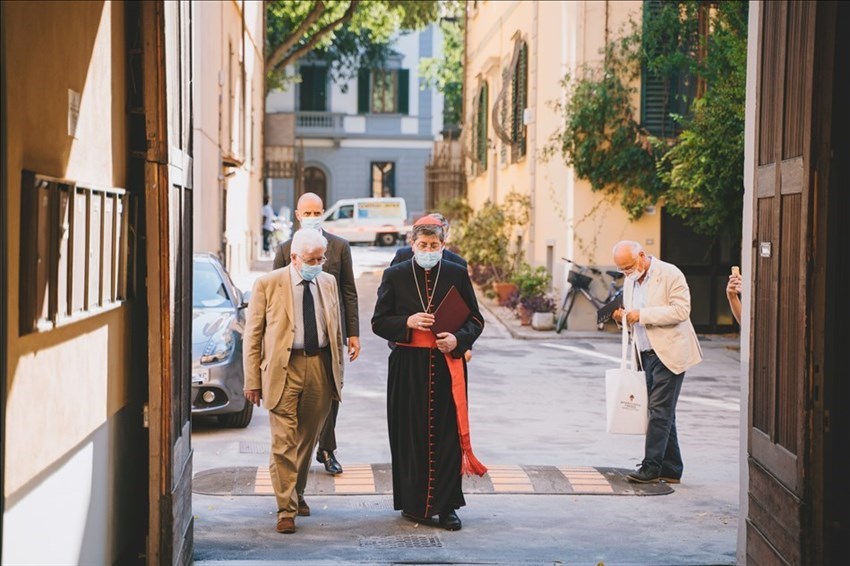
column 779, row 412
column 168, row 213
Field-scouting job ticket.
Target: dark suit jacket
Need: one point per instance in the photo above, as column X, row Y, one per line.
column 340, row 266
column 407, row 252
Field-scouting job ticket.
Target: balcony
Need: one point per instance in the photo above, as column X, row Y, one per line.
column 319, row 124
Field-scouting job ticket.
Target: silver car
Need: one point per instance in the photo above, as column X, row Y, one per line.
column 218, row 322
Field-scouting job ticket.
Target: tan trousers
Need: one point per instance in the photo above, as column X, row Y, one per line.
column 295, row 426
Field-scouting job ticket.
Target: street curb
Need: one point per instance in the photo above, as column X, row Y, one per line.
column 511, row 323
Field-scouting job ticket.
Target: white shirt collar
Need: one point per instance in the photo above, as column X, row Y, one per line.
column 295, row 274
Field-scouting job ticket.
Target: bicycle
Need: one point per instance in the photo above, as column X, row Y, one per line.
column 578, row 282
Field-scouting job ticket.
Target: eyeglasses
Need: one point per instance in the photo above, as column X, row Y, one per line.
column 627, row 270
column 314, row 260
column 427, row 247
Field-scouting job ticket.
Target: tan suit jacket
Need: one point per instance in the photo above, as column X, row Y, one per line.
column 666, row 316
column 270, row 331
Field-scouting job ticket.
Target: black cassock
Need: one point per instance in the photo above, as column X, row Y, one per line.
column 424, row 443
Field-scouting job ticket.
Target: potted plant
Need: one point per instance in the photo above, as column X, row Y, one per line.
column 542, row 309
column 486, row 240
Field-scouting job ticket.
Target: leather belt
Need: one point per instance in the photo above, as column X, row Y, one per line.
column 300, row 352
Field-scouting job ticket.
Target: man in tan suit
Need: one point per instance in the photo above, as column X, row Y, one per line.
column 657, row 304
column 292, row 353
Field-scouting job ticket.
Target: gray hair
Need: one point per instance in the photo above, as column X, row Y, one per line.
column 631, row 244
column 427, row 230
column 308, row 239
column 442, row 220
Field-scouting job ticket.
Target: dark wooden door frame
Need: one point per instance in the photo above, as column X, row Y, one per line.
column 828, row 450
column 4, row 297
column 170, row 458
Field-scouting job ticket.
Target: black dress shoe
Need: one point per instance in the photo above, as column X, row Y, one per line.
column 646, row 474
column 450, row 521
column 326, row 457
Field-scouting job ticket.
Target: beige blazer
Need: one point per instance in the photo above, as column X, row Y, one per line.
column 270, row 331
column 666, row 316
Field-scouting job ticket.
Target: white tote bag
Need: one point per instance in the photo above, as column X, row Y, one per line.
column 625, row 392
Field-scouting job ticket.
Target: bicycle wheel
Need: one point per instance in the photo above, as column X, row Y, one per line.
column 564, row 313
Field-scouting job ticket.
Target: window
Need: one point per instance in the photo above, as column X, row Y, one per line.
column 481, row 141
column 664, row 95
column 383, row 91
column 383, row 179
column 345, row 212
column 73, row 251
column 519, row 100
column 313, row 90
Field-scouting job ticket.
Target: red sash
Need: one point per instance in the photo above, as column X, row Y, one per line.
column 469, row 464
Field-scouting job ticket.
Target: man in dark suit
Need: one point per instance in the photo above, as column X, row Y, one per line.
column 406, row 252
column 309, row 212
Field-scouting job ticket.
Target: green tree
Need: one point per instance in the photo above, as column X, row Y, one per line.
column 445, row 73
column 698, row 175
column 703, row 172
column 346, row 32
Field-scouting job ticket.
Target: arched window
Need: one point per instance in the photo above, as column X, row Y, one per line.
column 315, row 181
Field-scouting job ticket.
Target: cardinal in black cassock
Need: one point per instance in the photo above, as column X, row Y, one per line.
column 426, row 391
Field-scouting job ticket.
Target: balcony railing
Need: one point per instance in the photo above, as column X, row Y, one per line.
column 319, row 123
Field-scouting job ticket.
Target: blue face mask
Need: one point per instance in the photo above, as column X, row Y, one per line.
column 314, row 222
column 427, row 260
column 310, row 272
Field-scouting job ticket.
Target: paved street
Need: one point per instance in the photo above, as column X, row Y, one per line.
column 537, row 416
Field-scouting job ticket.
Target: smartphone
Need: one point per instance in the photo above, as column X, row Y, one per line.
column 736, row 270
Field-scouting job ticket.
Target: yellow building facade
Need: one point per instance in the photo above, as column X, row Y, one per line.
column 544, row 40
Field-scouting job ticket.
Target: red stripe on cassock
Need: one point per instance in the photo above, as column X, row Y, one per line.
column 470, row 464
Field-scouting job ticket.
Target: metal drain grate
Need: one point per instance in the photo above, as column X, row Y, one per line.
column 402, row 541
column 253, row 447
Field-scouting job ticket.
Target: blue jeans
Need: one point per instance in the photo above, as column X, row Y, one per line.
column 662, row 444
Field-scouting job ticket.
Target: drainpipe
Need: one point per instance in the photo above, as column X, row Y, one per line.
column 532, row 149
column 222, row 181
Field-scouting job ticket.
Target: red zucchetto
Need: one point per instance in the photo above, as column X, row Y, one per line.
column 428, row 220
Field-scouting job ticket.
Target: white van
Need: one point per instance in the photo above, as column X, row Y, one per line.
column 382, row 221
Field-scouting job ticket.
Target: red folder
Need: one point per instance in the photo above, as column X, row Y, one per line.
column 451, row 314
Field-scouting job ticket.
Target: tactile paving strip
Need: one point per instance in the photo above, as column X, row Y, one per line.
column 376, row 479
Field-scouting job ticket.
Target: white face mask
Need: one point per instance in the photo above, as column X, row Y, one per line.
column 314, row 222
column 635, row 275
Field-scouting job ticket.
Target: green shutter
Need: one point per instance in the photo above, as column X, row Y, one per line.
column 481, row 128
column 404, row 91
column 313, row 89
column 662, row 95
column 363, row 91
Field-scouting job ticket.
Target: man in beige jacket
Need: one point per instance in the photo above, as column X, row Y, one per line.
column 657, row 304
column 292, row 354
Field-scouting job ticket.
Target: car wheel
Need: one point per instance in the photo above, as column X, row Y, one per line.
column 387, row 239
column 238, row 420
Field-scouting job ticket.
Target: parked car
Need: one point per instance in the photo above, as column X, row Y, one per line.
column 218, row 322
column 382, row 221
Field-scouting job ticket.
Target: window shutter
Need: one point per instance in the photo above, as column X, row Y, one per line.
column 313, row 89
column 403, row 91
column 662, row 95
column 523, row 97
column 481, row 127
column 363, row 91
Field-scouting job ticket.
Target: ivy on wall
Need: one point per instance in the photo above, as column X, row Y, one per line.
column 699, row 174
